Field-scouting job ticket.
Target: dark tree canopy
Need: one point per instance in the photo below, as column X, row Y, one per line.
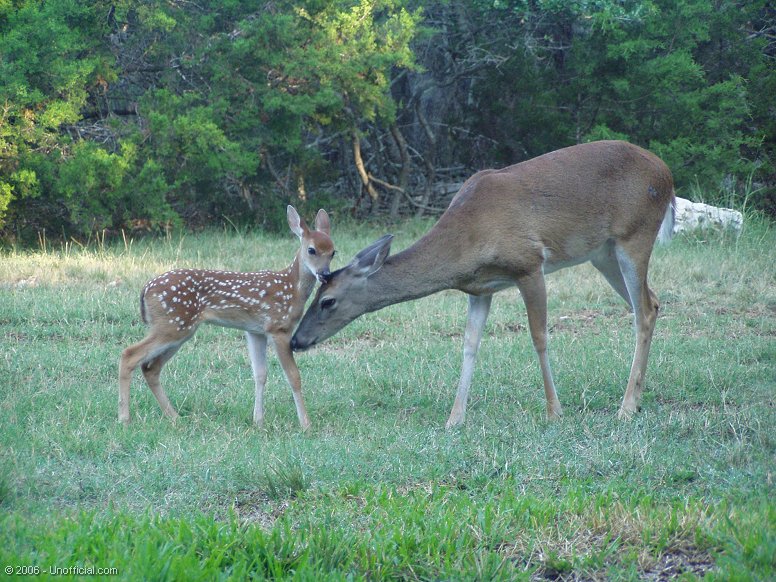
column 126, row 114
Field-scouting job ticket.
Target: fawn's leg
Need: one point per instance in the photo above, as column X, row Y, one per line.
column 130, row 359
column 257, row 351
column 285, row 355
column 152, row 370
column 127, row 365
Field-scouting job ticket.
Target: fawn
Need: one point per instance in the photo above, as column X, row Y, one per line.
column 263, row 304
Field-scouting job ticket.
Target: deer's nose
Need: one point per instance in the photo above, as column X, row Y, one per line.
column 323, row 275
column 302, row 345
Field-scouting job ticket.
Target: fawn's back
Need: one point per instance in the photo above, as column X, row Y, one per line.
column 184, row 298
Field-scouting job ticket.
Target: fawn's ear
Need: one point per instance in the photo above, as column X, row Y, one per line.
column 295, row 223
column 322, row 223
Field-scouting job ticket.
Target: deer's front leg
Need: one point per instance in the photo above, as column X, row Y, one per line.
column 257, row 351
column 479, row 308
column 285, row 355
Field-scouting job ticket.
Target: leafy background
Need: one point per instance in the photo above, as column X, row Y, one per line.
column 122, row 114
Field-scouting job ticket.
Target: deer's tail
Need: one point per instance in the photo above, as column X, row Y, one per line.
column 667, row 227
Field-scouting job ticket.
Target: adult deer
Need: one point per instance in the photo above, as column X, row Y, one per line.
column 263, row 304
column 603, row 202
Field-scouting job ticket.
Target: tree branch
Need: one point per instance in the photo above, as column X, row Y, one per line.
column 360, row 166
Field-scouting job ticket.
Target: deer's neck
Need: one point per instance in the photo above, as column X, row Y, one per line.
column 430, row 265
column 302, row 279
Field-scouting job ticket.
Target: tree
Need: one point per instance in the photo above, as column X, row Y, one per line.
column 244, row 115
column 51, row 61
column 682, row 78
column 193, row 110
column 121, row 113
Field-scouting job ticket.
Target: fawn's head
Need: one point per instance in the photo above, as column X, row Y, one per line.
column 317, row 248
column 343, row 298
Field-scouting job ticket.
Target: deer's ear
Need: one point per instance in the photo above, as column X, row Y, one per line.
column 295, row 223
column 322, row 223
column 369, row 260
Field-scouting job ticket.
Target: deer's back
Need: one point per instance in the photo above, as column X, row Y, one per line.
column 611, row 187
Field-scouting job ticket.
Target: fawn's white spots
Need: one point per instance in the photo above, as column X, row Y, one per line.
column 187, row 297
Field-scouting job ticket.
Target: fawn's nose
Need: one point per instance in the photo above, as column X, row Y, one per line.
column 323, row 275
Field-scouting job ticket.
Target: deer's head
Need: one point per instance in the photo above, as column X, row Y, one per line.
column 342, row 298
column 317, row 248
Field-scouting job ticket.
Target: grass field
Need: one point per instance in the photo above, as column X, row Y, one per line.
column 378, row 488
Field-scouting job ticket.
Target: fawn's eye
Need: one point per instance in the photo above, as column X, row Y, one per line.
column 333, row 253
column 311, row 250
column 328, row 302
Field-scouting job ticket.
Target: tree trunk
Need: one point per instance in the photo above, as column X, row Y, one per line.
column 428, row 160
column 401, row 144
column 362, row 169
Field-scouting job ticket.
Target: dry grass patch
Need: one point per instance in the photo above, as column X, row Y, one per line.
column 591, row 544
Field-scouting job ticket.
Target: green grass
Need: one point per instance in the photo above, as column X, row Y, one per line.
column 378, row 488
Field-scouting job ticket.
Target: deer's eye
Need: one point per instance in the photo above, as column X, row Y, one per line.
column 328, row 302
column 311, row 250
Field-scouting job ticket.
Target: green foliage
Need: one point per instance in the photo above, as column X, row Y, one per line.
column 240, row 86
column 175, row 113
column 51, row 58
column 658, row 93
column 6, row 194
column 89, row 183
column 356, row 52
column 645, row 72
column 270, row 78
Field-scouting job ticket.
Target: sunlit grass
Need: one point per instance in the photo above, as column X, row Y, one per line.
column 378, row 488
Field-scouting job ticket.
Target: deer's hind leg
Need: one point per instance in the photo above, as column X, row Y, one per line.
column 633, row 262
column 150, row 354
column 607, row 264
column 151, row 372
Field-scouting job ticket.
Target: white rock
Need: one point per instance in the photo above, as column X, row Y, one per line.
column 692, row 216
